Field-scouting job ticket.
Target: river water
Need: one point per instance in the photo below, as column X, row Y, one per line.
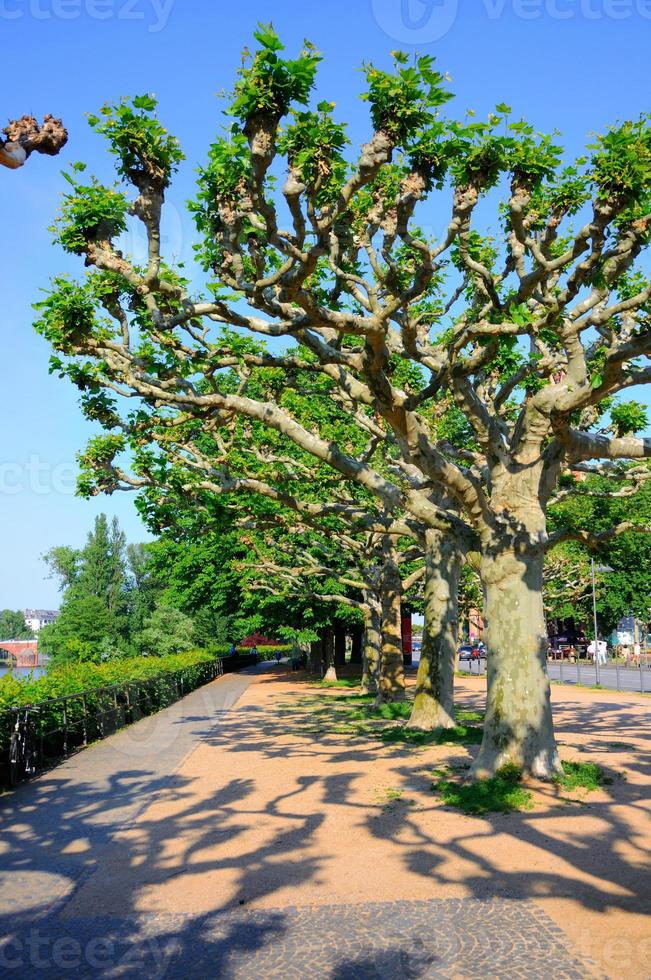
column 22, row 672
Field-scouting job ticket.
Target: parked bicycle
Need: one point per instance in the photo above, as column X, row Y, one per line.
column 23, row 755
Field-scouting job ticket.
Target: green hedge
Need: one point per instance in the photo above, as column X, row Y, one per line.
column 75, row 678
column 80, row 703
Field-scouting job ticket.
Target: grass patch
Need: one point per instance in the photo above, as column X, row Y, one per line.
column 500, row 794
column 624, row 746
column 472, row 716
column 392, row 795
column 349, row 699
column 358, row 715
column 459, row 735
column 392, row 711
column 343, row 682
column 582, row 775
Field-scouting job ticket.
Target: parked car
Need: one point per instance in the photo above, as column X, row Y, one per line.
column 472, row 651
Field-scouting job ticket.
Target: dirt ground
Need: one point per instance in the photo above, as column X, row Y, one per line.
column 277, row 809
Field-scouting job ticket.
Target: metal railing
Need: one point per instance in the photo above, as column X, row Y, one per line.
column 610, row 675
column 63, row 725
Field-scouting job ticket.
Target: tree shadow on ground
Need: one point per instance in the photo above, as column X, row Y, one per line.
column 600, row 873
column 92, row 852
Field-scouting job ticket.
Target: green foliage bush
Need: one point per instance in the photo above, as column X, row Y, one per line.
column 74, row 678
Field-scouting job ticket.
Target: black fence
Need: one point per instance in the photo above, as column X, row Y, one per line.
column 62, row 725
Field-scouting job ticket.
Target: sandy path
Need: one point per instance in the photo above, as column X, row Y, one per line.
column 268, row 813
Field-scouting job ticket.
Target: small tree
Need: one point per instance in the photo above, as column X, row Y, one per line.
column 166, row 631
column 80, row 631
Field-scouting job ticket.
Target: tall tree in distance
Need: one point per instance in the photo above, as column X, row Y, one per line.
column 94, row 611
column 103, row 571
column 13, row 626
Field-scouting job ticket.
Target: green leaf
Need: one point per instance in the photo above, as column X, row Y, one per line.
column 146, row 102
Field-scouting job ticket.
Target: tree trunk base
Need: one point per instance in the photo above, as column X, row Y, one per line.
column 428, row 714
column 540, row 763
column 330, row 674
column 518, row 727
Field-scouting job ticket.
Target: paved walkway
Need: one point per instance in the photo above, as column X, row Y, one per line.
column 56, row 832
column 224, row 837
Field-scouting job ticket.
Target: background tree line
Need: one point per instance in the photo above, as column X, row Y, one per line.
column 186, row 589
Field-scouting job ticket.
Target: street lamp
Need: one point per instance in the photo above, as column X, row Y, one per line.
column 596, row 568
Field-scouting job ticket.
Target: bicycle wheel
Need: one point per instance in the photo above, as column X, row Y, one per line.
column 31, row 759
column 15, row 760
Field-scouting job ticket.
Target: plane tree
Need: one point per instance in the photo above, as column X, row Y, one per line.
column 368, row 572
column 240, row 477
column 25, row 136
column 529, row 333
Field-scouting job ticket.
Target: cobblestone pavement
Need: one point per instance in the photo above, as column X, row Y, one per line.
column 449, row 938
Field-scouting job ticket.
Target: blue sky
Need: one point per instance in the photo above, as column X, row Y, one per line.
column 575, row 65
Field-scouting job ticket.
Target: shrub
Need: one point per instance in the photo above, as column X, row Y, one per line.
column 73, row 678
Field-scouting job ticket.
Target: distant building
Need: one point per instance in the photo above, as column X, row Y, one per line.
column 36, row 619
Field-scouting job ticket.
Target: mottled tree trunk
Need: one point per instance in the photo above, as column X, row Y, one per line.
column 518, row 727
column 329, row 654
column 434, row 699
column 391, row 686
column 372, row 650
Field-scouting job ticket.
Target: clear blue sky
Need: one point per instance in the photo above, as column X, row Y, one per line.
column 571, row 64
